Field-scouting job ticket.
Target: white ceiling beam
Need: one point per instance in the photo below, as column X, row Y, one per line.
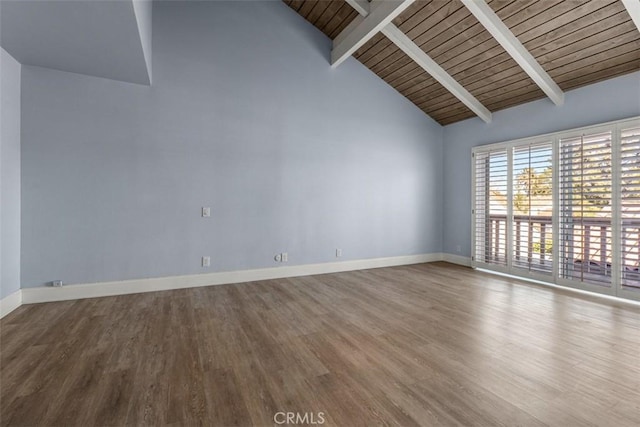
column 487, row 17
column 414, row 51
column 633, row 7
column 381, row 13
column 360, row 6
column 347, row 30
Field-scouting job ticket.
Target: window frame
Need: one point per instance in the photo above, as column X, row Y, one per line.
column 616, row 288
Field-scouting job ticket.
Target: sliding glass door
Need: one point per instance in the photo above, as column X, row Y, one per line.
column 491, row 177
column 532, row 207
column 630, row 208
column 586, row 208
column 563, row 208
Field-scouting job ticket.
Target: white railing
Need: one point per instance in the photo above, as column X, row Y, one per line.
column 590, row 249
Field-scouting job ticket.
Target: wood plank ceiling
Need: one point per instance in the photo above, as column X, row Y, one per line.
column 577, row 42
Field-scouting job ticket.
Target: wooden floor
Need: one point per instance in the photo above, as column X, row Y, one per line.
column 430, row 344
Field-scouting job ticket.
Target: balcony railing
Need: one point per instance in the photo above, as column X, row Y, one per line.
column 587, row 246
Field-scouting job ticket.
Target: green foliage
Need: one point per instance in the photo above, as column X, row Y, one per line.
column 548, row 247
column 532, row 188
column 589, row 196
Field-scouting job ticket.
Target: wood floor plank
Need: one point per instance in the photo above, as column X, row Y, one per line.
column 427, row 344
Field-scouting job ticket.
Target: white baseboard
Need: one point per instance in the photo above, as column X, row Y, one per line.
column 10, row 303
column 102, row 289
column 457, row 259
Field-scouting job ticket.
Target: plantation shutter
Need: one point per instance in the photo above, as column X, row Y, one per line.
column 532, row 203
column 490, row 207
column 585, row 170
column 630, row 207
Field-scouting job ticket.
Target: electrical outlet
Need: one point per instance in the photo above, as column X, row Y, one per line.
column 206, row 261
column 206, row 212
column 278, row 257
column 338, row 253
column 458, row 249
column 285, row 257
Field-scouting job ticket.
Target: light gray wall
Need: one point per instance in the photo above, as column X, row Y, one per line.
column 143, row 10
column 244, row 115
column 9, row 174
column 97, row 37
column 610, row 100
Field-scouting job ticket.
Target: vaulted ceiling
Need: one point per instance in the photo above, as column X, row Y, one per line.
column 576, row 42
